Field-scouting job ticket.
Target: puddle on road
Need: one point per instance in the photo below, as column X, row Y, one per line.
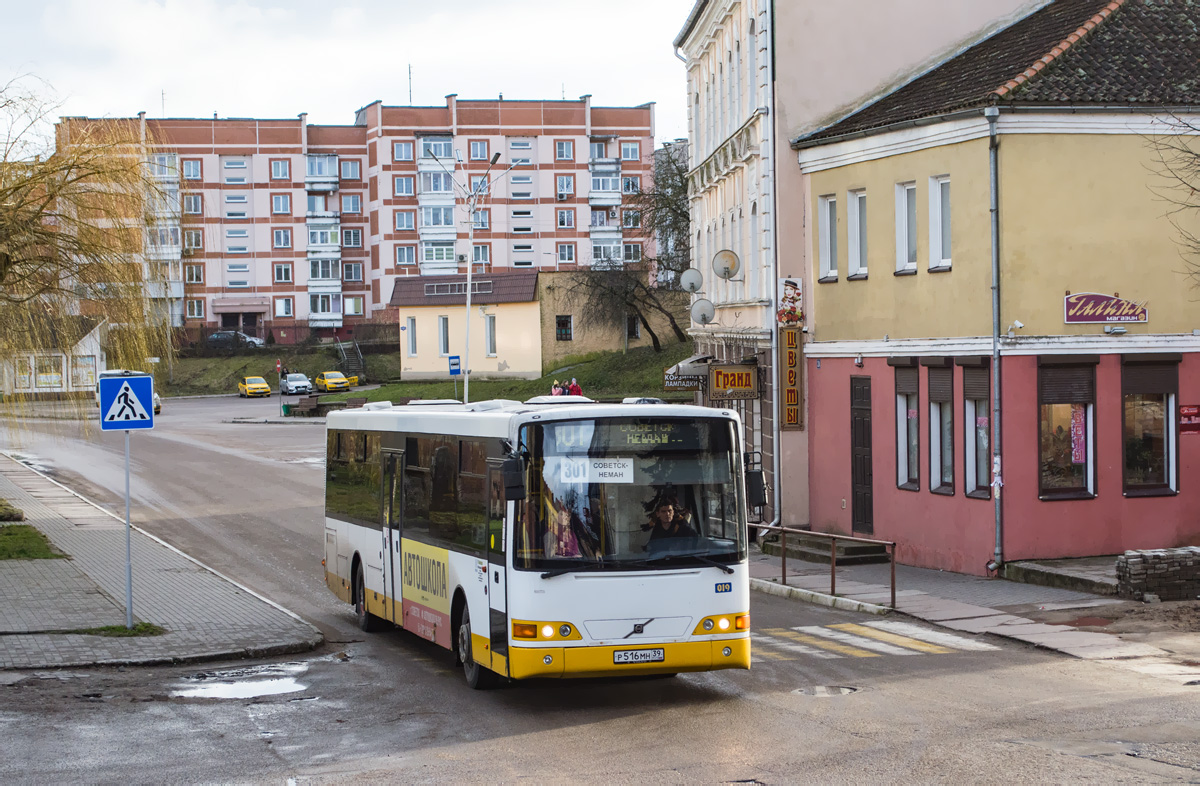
column 245, row 683
column 34, row 462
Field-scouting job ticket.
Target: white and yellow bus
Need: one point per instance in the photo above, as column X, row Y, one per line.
column 551, row 538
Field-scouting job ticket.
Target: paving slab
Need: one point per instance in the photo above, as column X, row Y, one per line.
column 987, row 624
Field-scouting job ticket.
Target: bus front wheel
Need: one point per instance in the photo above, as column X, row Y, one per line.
column 366, row 620
column 477, row 676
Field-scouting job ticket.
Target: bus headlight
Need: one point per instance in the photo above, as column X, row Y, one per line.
column 547, row 631
column 724, row 623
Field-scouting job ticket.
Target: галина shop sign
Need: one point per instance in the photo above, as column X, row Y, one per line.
column 1092, row 307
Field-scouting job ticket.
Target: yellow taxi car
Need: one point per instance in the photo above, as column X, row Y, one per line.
column 331, row 380
column 253, row 386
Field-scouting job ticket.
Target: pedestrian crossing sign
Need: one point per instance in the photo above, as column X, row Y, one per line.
column 126, row 403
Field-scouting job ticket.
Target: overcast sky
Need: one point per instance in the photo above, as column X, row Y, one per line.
column 277, row 58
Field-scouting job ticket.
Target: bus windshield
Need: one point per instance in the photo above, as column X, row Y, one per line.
column 629, row 494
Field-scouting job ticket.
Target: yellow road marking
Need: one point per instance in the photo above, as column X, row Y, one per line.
column 892, row 638
column 813, row 641
column 766, row 654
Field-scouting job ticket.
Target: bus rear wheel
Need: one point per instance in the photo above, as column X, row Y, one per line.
column 477, row 676
column 366, row 620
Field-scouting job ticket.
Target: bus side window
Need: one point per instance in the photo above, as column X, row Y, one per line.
column 496, row 509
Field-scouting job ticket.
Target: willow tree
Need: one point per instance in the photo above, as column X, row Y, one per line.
column 78, row 201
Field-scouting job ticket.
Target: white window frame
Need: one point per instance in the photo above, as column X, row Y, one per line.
column 940, row 223
column 437, row 183
column 479, row 150
column 856, row 233
column 351, row 238
column 192, row 169
column 193, row 274
column 489, row 335
column 565, row 184
column 906, row 240
column 566, row 252
column 402, row 185
column 324, row 270
column 237, row 250
column 316, row 301
column 236, row 199
column 827, row 236
column 626, row 147
column 353, row 305
column 444, row 336
column 352, row 203
column 238, row 284
column 565, row 218
column 325, row 236
column 316, row 203
column 281, row 238
column 481, row 254
column 481, row 219
column 352, row 271
column 564, row 150
column 440, row 146
column 631, row 219
column 283, row 201
column 193, row 204
column 631, row 184
column 935, row 445
column 235, row 163
column 438, row 251
column 195, row 309
column 351, row 169
column 402, row 151
column 281, row 169
column 406, row 251
column 631, row 252
column 597, row 147
column 437, row 216
column 411, row 329
column 520, row 144
column 283, row 273
column 902, row 474
column 971, row 469
column 284, row 307
column 405, row 220
column 479, row 184
column 606, row 183
column 193, row 239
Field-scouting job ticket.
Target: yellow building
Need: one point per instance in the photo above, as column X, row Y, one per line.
column 1032, row 161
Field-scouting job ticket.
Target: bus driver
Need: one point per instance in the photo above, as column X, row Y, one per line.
column 668, row 520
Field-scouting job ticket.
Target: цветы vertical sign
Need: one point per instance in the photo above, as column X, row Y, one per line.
column 791, row 379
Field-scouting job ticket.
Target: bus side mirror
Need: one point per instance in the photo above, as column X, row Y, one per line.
column 756, row 489
column 513, row 470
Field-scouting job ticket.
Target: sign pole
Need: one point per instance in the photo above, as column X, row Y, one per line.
column 128, row 549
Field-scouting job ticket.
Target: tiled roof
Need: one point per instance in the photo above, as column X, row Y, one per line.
column 1077, row 52
column 451, row 290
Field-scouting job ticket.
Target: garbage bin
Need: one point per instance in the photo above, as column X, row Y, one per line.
column 287, row 409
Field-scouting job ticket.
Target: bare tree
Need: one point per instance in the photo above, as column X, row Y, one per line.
column 1177, row 150
column 78, row 204
column 609, row 292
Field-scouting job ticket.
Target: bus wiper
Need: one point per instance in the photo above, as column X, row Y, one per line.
column 572, row 566
column 556, row 572
column 699, row 557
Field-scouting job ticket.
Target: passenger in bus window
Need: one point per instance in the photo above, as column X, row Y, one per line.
column 668, row 520
column 560, row 538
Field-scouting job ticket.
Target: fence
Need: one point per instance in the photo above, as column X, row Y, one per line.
column 833, row 541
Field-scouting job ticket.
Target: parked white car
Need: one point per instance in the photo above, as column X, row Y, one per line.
column 295, row 383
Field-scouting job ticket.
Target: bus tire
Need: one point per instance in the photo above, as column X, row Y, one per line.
column 477, row 676
column 367, row 621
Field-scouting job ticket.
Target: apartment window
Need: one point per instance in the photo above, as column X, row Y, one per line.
column 523, row 161
column 481, row 219
column 236, row 163
column 827, row 237
column 489, row 335
column 479, row 184
column 522, row 195
column 941, row 430
column 481, row 254
column 566, row 219
column 522, row 214
column 566, row 252
column 520, row 144
column 1066, row 426
column 280, row 170
column 322, row 166
column 631, row 219
column 437, row 147
column 193, row 204
column 237, row 267
column 908, row 429
column 564, row 150
column 236, row 199
column 237, row 250
column 598, row 150
column 322, row 237
column 522, row 180
column 522, row 230
column 406, row 255
column 351, row 170
column 977, row 462
column 240, row 283
column 410, row 328
column 351, row 238
column 906, row 227
column 630, row 151
column 193, row 274
column 351, row 203
column 316, row 203
column 563, row 324
column 281, row 203
column 605, row 183
column 631, row 184
column 352, row 271
column 437, row 216
column 163, row 237
column 324, row 269
column 191, row 169
column 193, row 239
column 283, row 307
column 325, row 304
column 939, row 223
column 237, row 233
column 632, row 252
column 234, row 179
column 1149, row 389
column 283, row 272
column 282, row 238
column 195, row 309
column 438, row 252
column 599, row 217
column 633, row 327
column 479, row 151
column 404, row 220
column 402, row 151
column 856, row 234
column 402, row 186
column 436, row 183
column 606, row 251
column 565, row 184
column 353, row 305
column 443, row 336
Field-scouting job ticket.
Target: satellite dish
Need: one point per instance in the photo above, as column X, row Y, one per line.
column 726, row 264
column 703, row 311
column 691, row 280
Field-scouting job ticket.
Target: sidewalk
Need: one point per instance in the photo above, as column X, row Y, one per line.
column 975, row 605
column 206, row 615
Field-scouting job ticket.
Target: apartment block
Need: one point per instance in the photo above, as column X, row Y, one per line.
column 286, row 228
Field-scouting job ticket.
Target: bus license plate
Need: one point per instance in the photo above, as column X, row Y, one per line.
column 639, row 656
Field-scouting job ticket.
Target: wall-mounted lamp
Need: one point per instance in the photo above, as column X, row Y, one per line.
column 858, row 361
column 1114, row 330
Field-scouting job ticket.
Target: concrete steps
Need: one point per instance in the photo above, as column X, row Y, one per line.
column 1077, row 575
column 811, row 549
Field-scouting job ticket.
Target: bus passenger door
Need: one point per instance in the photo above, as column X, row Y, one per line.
column 497, row 579
column 391, row 516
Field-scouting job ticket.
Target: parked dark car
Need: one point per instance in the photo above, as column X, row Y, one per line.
column 234, row 338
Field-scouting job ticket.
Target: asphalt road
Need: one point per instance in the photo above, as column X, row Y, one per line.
column 245, row 498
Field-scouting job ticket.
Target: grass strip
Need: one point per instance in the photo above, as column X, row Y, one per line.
column 120, row 631
column 9, row 513
column 21, row 541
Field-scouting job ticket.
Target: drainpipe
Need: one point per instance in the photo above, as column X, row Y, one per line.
column 773, row 280
column 992, row 114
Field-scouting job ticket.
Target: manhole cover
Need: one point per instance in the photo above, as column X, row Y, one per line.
column 827, row 690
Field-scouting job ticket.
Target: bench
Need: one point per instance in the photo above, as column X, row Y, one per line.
column 352, row 403
column 305, row 406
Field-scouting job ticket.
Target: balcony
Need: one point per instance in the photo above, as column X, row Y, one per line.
column 324, row 286
column 322, row 216
column 325, row 319
column 321, row 173
column 604, row 198
column 164, row 290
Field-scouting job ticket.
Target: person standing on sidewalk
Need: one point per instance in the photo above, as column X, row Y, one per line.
column 574, row 389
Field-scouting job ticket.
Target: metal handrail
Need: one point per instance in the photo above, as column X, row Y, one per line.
column 833, row 540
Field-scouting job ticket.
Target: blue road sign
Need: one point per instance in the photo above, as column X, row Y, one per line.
column 455, row 367
column 126, row 403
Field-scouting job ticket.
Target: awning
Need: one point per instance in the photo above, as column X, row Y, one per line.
column 695, row 366
column 240, row 304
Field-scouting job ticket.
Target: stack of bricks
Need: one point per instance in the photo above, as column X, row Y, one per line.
column 1162, row 574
